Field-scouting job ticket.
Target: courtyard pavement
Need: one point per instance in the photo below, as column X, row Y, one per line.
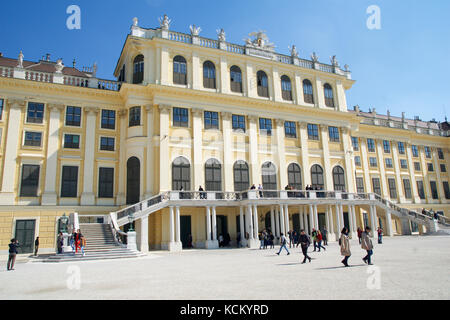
column 408, row 267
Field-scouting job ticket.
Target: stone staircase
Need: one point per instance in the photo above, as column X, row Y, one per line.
column 100, row 245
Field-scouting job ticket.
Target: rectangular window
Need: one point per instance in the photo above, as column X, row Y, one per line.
column 69, row 182
column 238, row 123
column 73, row 116
column 265, row 126
column 334, row 134
column 290, row 129
column 434, row 192
column 360, row 184
column 371, row 145
column 392, row 188
column 407, row 188
column 107, row 144
column 358, row 161
column 134, row 118
column 35, row 113
column 30, row 180
column 108, row 119
column 355, row 144
column 446, row 190
column 420, row 190
column 388, row 162
column 443, row 168
column 211, row 120
column 417, row 166
column 72, row 141
column 403, row 164
column 313, row 132
column 430, row 167
column 106, row 182
column 180, row 117
column 386, row 146
column 439, row 151
column 401, row 148
column 428, row 152
column 376, row 186
column 415, row 151
column 32, row 139
column 1, row 108
column 373, row 162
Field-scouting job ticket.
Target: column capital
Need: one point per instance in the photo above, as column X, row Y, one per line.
column 164, row 108
column 345, row 130
column 16, row 103
column 91, row 110
column 302, row 125
column 197, row 112
column 279, row 122
column 323, row 128
column 252, row 118
column 122, row 112
column 226, row 115
column 149, row 108
column 56, row 107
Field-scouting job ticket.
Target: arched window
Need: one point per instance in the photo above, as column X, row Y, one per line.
column 308, row 91
column 213, row 175
column 263, row 84
column 241, row 176
column 295, row 176
column 138, row 70
column 338, row 179
column 328, row 92
column 236, row 79
column 286, row 88
column 181, row 174
column 269, row 178
column 317, row 176
column 209, row 75
column 179, row 70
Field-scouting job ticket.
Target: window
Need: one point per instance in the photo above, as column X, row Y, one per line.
column 265, row 126
column 417, row 166
column 371, row 145
column 403, row 164
column 290, row 129
column 262, row 84
column 269, row 176
column 338, row 179
column 180, row 117
column 138, row 75
column 430, row 167
column 179, row 70
column 428, row 152
column 213, row 175
column 439, row 151
column 308, row 95
column 1, row 108
column 355, row 144
column 238, row 123
column 360, row 184
column 35, row 112
column 358, row 161
column 236, row 79
column 134, row 117
column 317, row 176
column 181, row 174
column 69, row 182
column 434, row 192
column 407, row 188
column 420, row 190
column 30, row 180
column 386, row 146
column 313, row 132
column 106, row 183
column 328, row 91
column 376, row 185
column 107, row 144
column 108, row 119
column 209, row 75
column 211, row 120
column 295, row 176
column 73, row 116
column 392, row 188
column 401, row 148
column 373, row 162
column 415, row 151
column 286, row 88
column 122, row 75
column 241, row 176
column 443, row 168
column 388, row 162
column 334, row 134
column 446, row 190
column 32, row 139
column 72, row 141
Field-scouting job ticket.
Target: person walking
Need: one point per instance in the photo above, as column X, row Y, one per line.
column 36, row 246
column 314, row 238
column 319, row 240
column 305, row 242
column 82, row 244
column 271, row 239
column 380, row 235
column 345, row 246
column 367, row 245
column 60, row 242
column 359, row 231
column 13, row 246
column 325, row 236
column 283, row 242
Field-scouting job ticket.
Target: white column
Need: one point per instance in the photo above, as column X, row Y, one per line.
column 338, row 220
column 171, row 225
column 398, row 178
column 305, row 153
column 381, row 167
column 164, row 163
column 272, row 220
column 121, row 121
column 177, row 210
column 282, row 220
column 255, row 217
column 316, row 217
column 332, row 229
column 341, row 215
column 327, row 219
column 150, row 153
column 311, row 217
column 227, row 151
column 389, row 224
column 253, row 151
column 88, row 196
column 250, row 222
column 300, row 212
column 49, row 196
column 326, row 158
column 349, row 171
column 197, row 153
column 214, row 223
column 414, row 192
column 208, row 224
column 373, row 221
column 281, row 154
column 286, row 215
column 241, row 224
column 143, row 236
column 277, row 222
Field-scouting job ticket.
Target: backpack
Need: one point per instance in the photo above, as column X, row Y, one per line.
column 339, row 241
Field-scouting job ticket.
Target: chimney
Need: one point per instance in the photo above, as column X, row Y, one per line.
column 47, row 57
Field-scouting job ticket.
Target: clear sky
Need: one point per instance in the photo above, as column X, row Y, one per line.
column 404, row 66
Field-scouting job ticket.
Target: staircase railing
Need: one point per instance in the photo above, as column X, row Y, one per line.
column 120, row 237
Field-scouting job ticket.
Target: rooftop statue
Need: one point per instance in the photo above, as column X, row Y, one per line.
column 20, row 65
column 260, row 41
column 221, row 34
column 195, row 31
column 59, row 66
column 135, row 22
column 314, row 57
column 294, row 52
column 164, row 22
column 334, row 61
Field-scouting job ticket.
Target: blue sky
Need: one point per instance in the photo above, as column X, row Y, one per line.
column 405, row 66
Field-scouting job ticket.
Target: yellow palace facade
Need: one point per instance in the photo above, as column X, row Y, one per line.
column 189, row 112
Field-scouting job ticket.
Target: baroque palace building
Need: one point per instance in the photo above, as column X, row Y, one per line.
column 188, row 111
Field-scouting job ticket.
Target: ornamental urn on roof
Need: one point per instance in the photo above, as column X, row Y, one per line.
column 259, row 41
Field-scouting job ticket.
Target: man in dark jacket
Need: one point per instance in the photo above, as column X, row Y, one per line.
column 305, row 242
column 36, row 246
column 12, row 253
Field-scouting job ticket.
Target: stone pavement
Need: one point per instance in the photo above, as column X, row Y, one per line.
column 407, row 267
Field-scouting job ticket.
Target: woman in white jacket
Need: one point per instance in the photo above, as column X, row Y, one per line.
column 345, row 246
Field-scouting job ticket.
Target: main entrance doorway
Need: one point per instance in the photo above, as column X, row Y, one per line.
column 25, row 235
column 185, row 230
column 222, row 227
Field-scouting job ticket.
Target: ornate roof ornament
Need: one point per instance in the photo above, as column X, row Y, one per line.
column 164, row 22
column 259, row 41
column 59, row 66
column 20, row 60
column 135, row 22
column 294, row 52
column 221, row 35
column 94, row 70
column 314, row 57
column 334, row 61
column 195, row 31
column 346, row 68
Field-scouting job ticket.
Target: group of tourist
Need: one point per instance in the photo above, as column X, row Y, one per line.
column 77, row 242
column 266, row 239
